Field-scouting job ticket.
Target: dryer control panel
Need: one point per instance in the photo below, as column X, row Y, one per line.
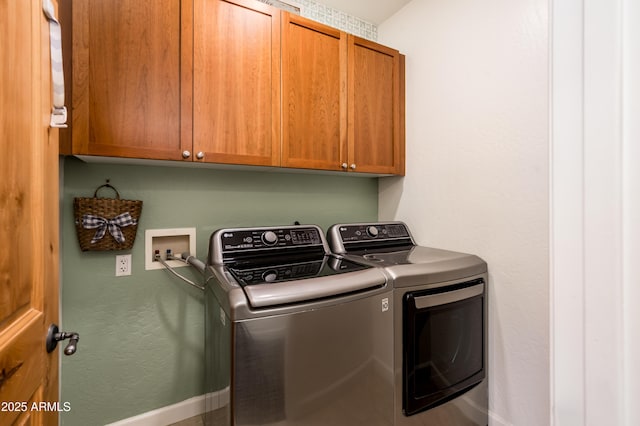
column 381, row 231
column 345, row 237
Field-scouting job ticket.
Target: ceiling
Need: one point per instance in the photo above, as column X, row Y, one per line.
column 372, row 11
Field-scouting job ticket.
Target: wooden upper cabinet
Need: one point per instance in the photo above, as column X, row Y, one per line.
column 376, row 108
column 229, row 81
column 236, row 82
column 342, row 101
column 124, row 82
column 314, row 87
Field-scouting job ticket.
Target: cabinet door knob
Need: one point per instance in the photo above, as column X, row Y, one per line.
column 186, row 154
column 344, row 166
column 352, row 166
column 200, row 155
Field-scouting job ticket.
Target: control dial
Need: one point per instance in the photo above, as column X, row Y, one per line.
column 372, row 231
column 270, row 276
column 269, row 238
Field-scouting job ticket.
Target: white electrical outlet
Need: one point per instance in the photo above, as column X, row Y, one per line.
column 123, row 265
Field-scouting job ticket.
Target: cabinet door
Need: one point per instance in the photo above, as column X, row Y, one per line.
column 314, row 60
column 236, row 82
column 125, row 72
column 375, row 102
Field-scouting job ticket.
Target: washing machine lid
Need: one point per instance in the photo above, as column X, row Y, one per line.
column 284, row 265
column 321, row 286
column 267, row 285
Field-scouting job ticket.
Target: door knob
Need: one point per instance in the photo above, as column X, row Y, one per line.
column 186, row 154
column 55, row 335
column 200, row 155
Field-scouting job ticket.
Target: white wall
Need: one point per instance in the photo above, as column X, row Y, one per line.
column 477, row 171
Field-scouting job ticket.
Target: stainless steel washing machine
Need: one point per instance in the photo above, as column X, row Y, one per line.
column 294, row 334
column 440, row 323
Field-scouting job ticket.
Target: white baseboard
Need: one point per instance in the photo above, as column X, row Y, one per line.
column 176, row 412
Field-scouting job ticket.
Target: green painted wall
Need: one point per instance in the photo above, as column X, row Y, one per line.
column 141, row 345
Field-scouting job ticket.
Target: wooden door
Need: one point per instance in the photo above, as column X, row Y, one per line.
column 125, row 79
column 236, row 82
column 375, row 126
column 29, row 216
column 314, row 61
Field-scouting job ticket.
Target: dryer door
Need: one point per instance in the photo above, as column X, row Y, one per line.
column 443, row 344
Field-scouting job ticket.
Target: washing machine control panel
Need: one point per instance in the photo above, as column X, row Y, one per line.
column 265, row 238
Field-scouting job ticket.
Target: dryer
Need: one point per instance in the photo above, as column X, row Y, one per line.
column 440, row 323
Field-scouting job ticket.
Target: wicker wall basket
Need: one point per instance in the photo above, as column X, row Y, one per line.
column 106, row 223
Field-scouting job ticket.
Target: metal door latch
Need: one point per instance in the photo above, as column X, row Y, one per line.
column 55, row 335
